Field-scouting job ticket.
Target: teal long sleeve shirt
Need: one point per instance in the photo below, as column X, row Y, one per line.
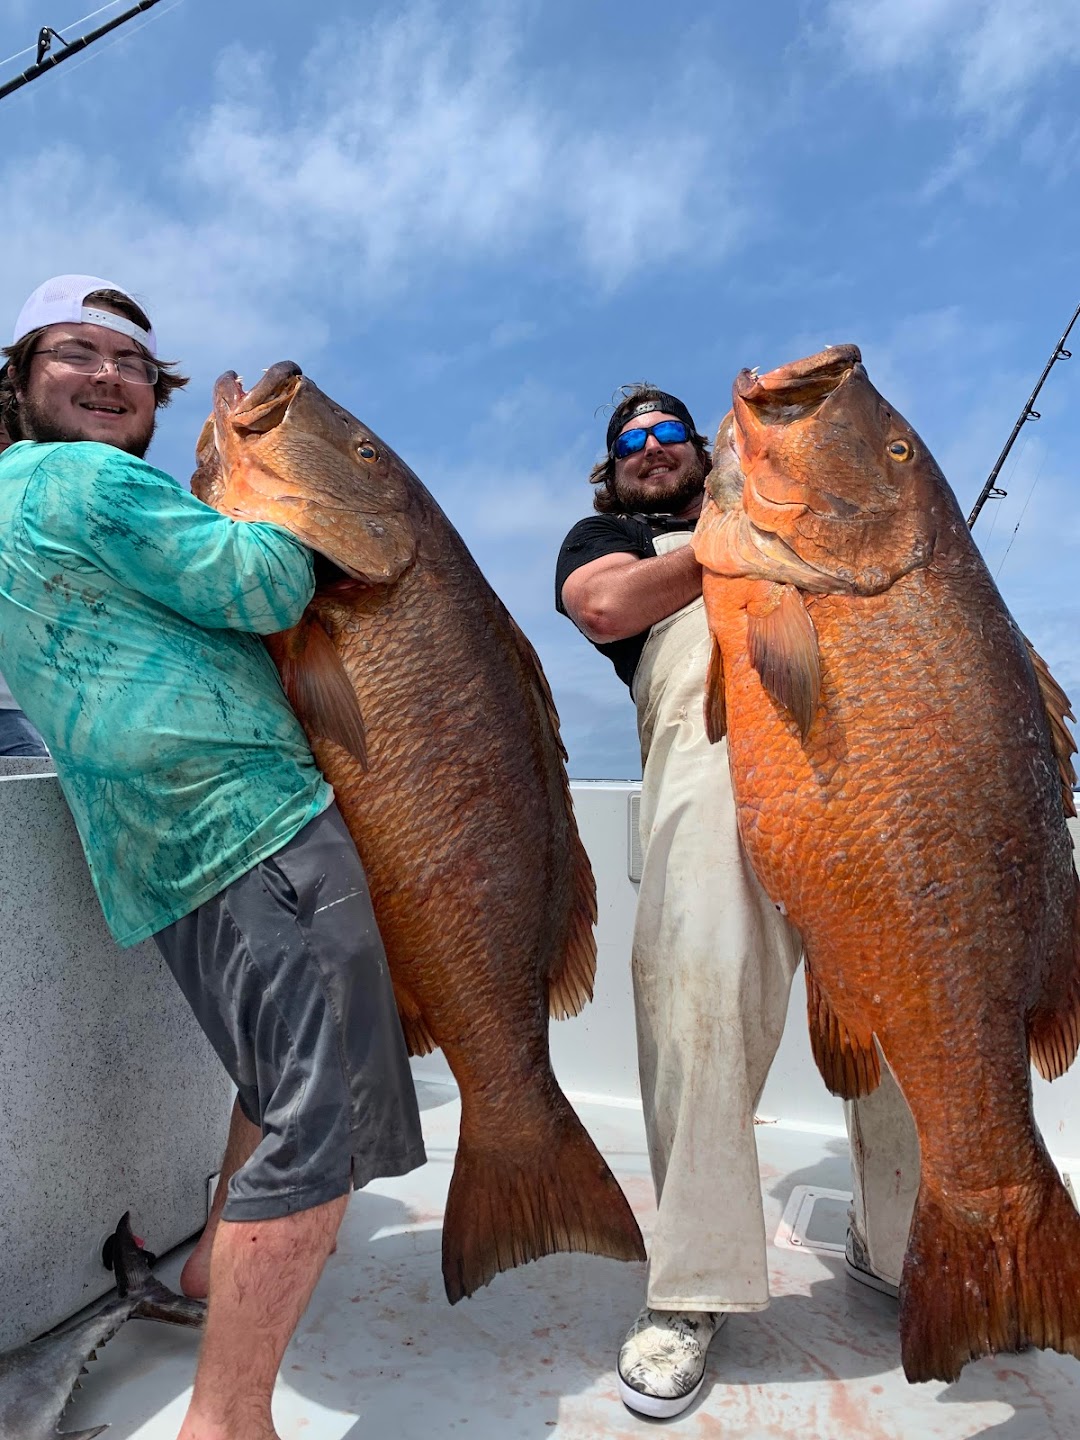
column 129, row 621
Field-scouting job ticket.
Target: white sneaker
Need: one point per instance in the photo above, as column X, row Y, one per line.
column 857, row 1264
column 662, row 1361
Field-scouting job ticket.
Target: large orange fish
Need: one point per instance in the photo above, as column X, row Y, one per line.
column 428, row 712
column 903, row 772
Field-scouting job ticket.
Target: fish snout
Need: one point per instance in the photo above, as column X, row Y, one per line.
column 791, row 392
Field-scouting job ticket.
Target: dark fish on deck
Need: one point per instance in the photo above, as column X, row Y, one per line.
column 37, row 1380
column 428, row 712
column 902, row 771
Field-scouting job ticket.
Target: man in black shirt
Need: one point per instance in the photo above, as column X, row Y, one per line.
column 712, row 958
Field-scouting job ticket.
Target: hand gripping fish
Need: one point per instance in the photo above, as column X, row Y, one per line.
column 902, row 772
column 428, row 712
column 37, row 1380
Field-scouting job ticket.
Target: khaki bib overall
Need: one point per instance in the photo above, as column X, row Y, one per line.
column 713, row 961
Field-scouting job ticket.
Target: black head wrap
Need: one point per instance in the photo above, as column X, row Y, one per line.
column 658, row 400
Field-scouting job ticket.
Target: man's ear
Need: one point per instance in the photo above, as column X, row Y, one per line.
column 11, row 382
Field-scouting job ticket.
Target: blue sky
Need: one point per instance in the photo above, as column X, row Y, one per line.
column 471, row 224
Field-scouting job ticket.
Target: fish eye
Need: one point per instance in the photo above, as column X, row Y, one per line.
column 900, row 450
column 366, row 450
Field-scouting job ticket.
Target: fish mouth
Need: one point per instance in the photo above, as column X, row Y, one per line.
column 262, row 407
column 796, row 391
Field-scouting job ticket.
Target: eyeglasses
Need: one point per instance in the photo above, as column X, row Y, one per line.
column 667, row 432
column 132, row 368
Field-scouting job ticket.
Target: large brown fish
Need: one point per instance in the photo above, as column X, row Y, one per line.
column 428, row 712
column 902, row 773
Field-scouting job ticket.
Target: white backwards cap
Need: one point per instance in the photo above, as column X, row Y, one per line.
column 60, row 302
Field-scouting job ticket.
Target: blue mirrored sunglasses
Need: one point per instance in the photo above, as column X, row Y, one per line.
column 667, row 432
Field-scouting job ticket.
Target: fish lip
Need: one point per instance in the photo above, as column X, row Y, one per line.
column 232, row 402
column 267, row 387
column 795, row 391
column 228, row 394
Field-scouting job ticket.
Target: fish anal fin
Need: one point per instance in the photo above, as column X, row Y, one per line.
column 715, row 708
column 783, row 649
column 992, row 1273
column 848, row 1060
column 318, row 686
column 81, row 1434
column 1058, row 711
column 512, row 1201
column 1054, row 1024
column 418, row 1037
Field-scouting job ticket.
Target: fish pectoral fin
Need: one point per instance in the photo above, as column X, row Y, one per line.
column 1054, row 1024
column 783, row 649
column 1058, row 711
column 848, row 1060
column 318, row 686
column 715, row 709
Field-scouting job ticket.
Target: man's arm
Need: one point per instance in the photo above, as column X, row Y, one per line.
column 138, row 526
column 620, row 595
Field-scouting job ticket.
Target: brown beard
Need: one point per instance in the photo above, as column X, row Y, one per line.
column 36, row 424
column 685, row 489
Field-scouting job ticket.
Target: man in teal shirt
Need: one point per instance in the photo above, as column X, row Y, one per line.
column 129, row 622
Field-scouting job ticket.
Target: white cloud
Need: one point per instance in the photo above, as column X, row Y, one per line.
column 985, row 54
column 415, row 146
column 415, row 141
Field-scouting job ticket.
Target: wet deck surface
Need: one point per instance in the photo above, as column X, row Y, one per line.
column 380, row 1353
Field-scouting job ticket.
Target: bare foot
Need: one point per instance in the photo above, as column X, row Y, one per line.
column 195, row 1276
column 196, row 1429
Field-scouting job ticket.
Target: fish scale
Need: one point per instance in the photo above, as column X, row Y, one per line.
column 429, row 714
column 902, row 791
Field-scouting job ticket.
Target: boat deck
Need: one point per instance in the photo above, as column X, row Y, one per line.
column 381, row 1353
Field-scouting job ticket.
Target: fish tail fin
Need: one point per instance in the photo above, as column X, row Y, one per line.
column 514, row 1202
column 1010, row 1281
column 134, row 1281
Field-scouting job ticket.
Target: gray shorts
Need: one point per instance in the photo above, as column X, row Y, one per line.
column 286, row 973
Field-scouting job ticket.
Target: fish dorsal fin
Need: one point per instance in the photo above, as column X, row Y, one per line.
column 1058, row 711
column 848, row 1060
column 715, row 709
column 318, row 686
column 1054, row 1024
column 570, row 984
column 783, row 649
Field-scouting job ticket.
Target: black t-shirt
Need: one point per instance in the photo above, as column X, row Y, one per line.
column 613, row 535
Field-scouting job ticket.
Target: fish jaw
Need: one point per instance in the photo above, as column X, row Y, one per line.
column 286, row 453
column 836, row 473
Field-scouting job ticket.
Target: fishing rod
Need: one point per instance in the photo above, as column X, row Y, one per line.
column 46, row 35
column 1028, row 413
